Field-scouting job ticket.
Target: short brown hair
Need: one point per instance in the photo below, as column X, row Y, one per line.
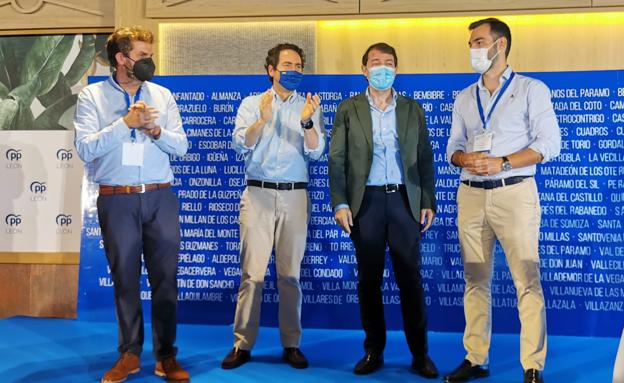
column 272, row 58
column 383, row 48
column 498, row 29
column 121, row 41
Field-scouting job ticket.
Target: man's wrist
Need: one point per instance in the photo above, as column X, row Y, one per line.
column 307, row 124
column 125, row 120
column 505, row 164
column 456, row 158
column 157, row 130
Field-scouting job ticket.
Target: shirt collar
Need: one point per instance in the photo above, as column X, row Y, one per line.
column 113, row 82
column 371, row 102
column 506, row 74
column 291, row 99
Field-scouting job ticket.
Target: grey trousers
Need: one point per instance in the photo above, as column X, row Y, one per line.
column 271, row 219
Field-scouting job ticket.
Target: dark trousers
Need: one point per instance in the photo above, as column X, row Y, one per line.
column 385, row 219
column 135, row 224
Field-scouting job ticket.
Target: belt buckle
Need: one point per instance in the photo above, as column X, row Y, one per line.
column 142, row 190
column 391, row 188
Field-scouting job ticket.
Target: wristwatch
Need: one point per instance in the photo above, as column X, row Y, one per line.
column 506, row 164
column 307, row 124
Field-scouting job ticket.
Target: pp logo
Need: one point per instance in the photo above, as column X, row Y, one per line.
column 13, row 222
column 64, row 156
column 14, row 157
column 63, row 221
column 13, row 154
column 38, row 190
column 38, row 187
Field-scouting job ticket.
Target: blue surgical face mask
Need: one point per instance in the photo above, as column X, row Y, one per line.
column 290, row 79
column 381, row 77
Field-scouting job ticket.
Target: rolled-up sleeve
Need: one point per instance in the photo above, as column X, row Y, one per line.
column 319, row 127
column 172, row 138
column 246, row 116
column 92, row 142
column 544, row 128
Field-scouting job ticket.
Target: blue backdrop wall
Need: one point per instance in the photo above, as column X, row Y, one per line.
column 582, row 195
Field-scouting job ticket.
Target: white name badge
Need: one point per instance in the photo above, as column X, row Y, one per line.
column 483, row 142
column 132, row 154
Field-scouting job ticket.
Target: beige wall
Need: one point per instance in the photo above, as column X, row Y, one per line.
column 430, row 36
column 560, row 42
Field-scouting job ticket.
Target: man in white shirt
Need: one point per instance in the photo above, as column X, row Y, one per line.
column 503, row 126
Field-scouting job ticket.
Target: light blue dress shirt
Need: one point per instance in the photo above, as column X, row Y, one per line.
column 387, row 167
column 524, row 118
column 101, row 133
column 280, row 154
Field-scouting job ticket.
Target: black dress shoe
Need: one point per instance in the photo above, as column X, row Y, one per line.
column 294, row 357
column 466, row 372
column 533, row 376
column 235, row 358
column 425, row 367
column 370, row 363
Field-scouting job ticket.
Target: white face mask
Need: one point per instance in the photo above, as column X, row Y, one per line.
column 479, row 58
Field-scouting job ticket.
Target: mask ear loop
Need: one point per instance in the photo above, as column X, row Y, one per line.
column 494, row 43
column 131, row 70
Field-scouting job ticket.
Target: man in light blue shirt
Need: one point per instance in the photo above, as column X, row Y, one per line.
column 386, row 167
column 502, row 127
column 278, row 131
column 126, row 128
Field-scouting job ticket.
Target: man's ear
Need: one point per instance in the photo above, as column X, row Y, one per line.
column 503, row 43
column 270, row 70
column 120, row 58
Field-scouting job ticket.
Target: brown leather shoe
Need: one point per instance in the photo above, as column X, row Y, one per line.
column 170, row 369
column 235, row 358
column 127, row 364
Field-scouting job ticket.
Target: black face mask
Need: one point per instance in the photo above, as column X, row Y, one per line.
column 143, row 69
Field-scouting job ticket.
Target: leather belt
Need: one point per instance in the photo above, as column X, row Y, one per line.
column 278, row 185
column 389, row 188
column 493, row 184
column 131, row 189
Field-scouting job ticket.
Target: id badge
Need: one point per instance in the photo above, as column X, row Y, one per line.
column 132, row 154
column 483, row 142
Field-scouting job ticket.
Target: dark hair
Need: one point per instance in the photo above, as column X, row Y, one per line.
column 381, row 47
column 272, row 58
column 497, row 29
column 121, row 41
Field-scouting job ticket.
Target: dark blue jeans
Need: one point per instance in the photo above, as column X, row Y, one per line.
column 135, row 224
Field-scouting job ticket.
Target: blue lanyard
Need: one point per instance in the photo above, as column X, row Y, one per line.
column 500, row 94
column 137, row 96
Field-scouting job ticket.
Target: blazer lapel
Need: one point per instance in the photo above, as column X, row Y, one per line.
column 362, row 109
column 402, row 114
